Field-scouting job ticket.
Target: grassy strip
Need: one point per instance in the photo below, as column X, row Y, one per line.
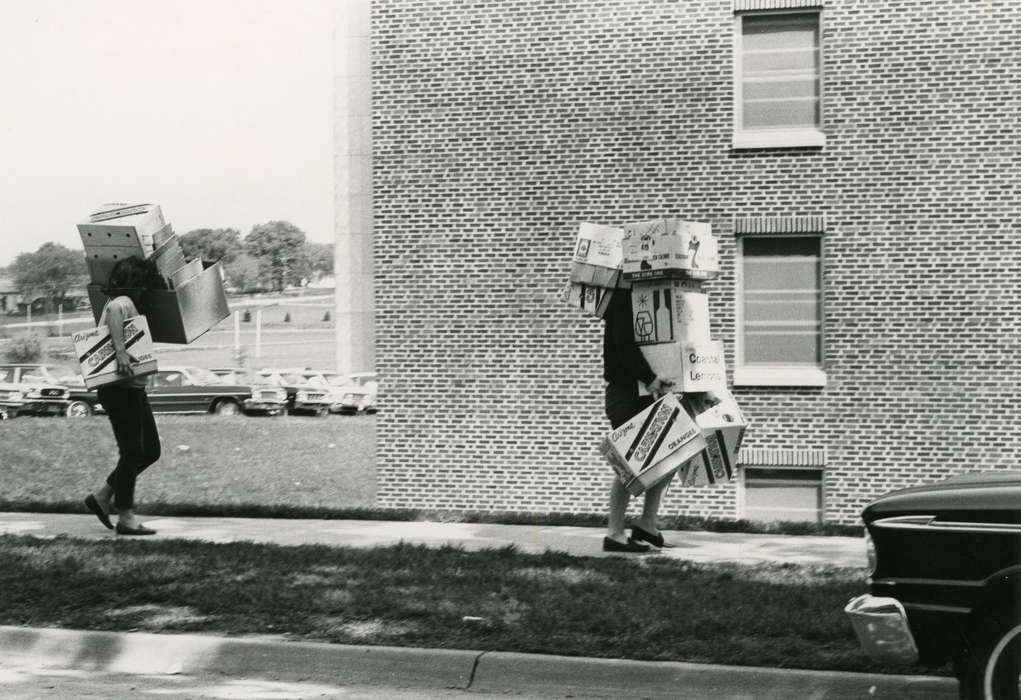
column 645, row 608
column 286, row 467
column 208, row 462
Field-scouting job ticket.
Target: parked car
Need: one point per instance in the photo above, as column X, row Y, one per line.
column 81, row 401
column 267, row 398
column 352, row 393
column 301, row 397
column 38, row 397
column 194, row 390
column 945, row 580
column 11, row 400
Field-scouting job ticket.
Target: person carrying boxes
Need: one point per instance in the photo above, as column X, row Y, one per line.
column 624, row 367
column 125, row 401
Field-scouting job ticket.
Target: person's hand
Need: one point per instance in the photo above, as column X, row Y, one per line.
column 124, row 363
column 660, row 388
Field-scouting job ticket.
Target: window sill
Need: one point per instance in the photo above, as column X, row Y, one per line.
column 779, row 138
column 779, row 376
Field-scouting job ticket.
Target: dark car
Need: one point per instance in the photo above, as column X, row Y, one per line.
column 80, row 401
column 38, row 396
column 945, row 580
column 194, row 390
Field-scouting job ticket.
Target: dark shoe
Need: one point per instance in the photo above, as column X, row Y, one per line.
column 140, row 530
column 612, row 545
column 638, row 534
column 92, row 504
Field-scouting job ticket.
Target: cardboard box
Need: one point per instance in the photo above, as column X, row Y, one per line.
column 169, row 257
column 96, row 357
column 185, row 273
column 723, row 427
column 664, row 248
column 592, row 300
column 692, row 367
column 183, row 314
column 131, row 227
column 666, row 311
column 653, row 444
column 597, row 256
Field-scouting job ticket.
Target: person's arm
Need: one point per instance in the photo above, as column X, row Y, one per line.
column 623, row 338
column 115, row 324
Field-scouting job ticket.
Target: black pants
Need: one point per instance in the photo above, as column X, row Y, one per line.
column 138, row 443
column 624, row 403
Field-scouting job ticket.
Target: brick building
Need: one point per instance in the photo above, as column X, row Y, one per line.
column 857, row 161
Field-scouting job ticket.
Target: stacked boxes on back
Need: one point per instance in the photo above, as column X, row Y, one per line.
column 194, row 299
column 666, row 261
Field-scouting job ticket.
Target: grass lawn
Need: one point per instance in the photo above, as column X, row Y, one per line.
column 648, row 608
column 226, row 462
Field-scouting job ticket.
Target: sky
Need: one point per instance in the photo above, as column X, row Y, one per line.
column 220, row 111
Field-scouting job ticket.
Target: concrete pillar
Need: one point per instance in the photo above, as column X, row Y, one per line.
column 352, row 99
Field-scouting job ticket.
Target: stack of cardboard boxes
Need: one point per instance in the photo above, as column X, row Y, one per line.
column 194, row 299
column 191, row 302
column 665, row 262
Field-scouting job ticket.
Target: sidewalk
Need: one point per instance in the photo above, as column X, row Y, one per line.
column 354, row 671
column 578, row 541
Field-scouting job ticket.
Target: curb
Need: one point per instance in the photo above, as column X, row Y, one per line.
column 439, row 669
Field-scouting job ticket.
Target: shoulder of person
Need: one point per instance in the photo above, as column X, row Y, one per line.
column 125, row 305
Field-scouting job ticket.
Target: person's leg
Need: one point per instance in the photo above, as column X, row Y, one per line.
column 619, row 499
column 622, row 404
column 147, row 450
column 650, row 508
column 151, row 449
column 121, row 406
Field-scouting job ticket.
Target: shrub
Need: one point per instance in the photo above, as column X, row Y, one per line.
column 246, row 316
column 326, row 317
column 27, row 347
column 287, row 317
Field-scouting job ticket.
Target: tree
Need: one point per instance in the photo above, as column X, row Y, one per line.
column 243, row 272
column 50, row 272
column 280, row 245
column 320, row 259
column 213, row 244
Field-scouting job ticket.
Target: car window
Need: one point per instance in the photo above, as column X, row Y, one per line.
column 167, row 379
column 61, row 375
column 7, row 375
column 316, row 380
column 293, row 379
column 32, row 378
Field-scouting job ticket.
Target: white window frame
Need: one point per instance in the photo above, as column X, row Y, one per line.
column 803, row 375
column 774, row 138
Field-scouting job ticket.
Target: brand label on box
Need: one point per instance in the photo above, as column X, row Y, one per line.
column 663, row 431
column 96, row 356
column 723, row 426
column 665, row 247
column 599, row 245
column 670, row 311
column 692, row 367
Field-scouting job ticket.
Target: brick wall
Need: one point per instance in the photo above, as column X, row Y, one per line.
column 498, row 126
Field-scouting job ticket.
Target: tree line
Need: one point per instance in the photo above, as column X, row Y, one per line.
column 273, row 256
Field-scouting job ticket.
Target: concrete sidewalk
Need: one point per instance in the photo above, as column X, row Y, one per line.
column 579, row 541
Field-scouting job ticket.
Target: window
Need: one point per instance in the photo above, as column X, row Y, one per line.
column 782, row 494
column 778, row 80
column 780, row 340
